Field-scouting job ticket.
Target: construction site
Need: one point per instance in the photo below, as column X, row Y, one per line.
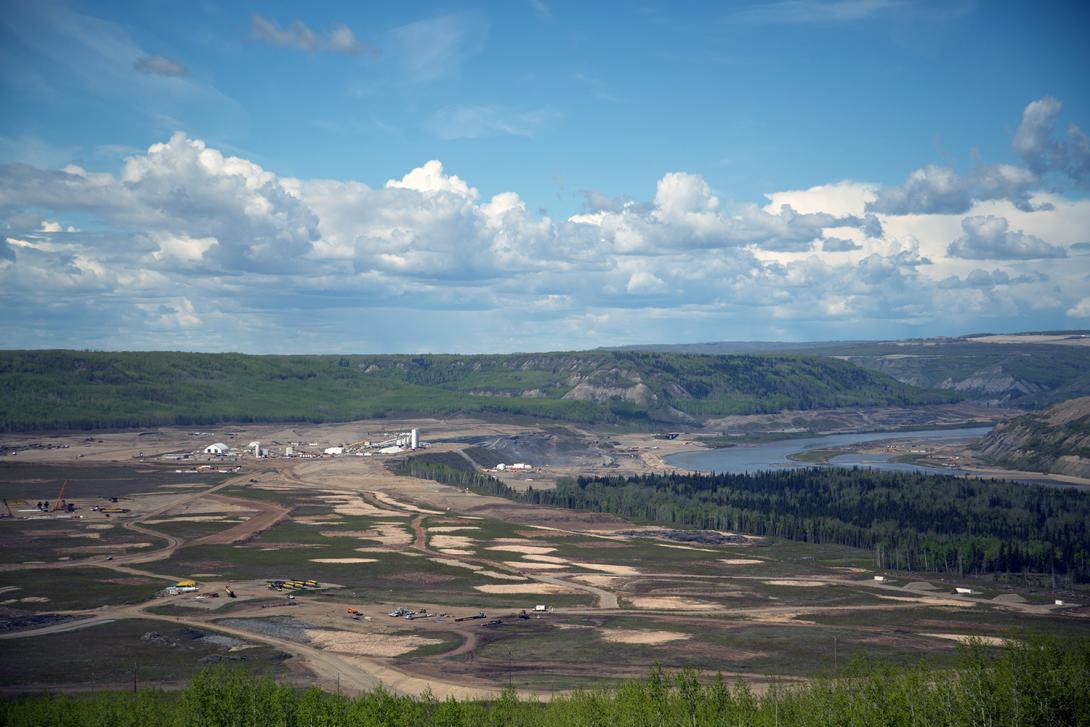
column 321, row 567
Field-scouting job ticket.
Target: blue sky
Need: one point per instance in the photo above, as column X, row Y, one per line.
column 531, row 175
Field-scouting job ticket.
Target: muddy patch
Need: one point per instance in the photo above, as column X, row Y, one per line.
column 637, row 636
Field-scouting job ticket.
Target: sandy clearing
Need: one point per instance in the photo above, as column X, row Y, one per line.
column 380, row 549
column 929, row 600
column 455, row 563
column 92, row 536
column 525, row 549
column 5, row 589
column 355, row 505
column 546, row 559
column 784, row 617
column 511, row 589
column 205, row 575
column 501, row 576
column 741, row 561
column 637, row 636
column 455, row 551
column 381, row 533
column 687, row 547
column 596, row 580
column 193, row 519
column 540, row 532
column 100, row 527
column 619, row 570
column 208, row 506
column 342, row 560
column 451, row 528
column 795, row 583
column 387, row 500
column 965, row 638
column 523, row 565
column 276, row 487
column 451, row 541
column 357, row 644
column 104, row 548
column 672, row 603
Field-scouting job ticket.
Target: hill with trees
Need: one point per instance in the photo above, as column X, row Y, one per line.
column 1028, row 371
column 60, row 389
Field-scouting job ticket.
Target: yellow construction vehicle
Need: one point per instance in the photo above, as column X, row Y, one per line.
column 229, row 591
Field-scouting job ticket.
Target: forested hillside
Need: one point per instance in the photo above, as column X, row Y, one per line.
column 73, row 389
column 1025, row 375
column 911, row 521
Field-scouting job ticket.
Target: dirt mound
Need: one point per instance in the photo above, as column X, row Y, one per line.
column 356, row 644
column 919, row 586
column 1009, row 598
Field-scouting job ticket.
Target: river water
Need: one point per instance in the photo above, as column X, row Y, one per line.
column 773, row 455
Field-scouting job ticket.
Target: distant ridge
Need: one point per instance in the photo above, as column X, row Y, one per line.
column 1029, row 370
column 80, row 390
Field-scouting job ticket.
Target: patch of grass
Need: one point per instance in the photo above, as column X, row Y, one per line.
column 189, row 530
column 109, row 653
column 78, row 588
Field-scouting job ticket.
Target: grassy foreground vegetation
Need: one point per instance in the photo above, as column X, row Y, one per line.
column 45, row 390
column 1028, row 682
column 911, row 521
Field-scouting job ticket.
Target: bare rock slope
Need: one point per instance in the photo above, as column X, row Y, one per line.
column 1056, row 440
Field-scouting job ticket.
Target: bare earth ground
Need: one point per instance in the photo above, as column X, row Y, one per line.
column 615, row 604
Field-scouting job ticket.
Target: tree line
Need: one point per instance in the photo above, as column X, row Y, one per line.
column 1029, row 682
column 911, row 521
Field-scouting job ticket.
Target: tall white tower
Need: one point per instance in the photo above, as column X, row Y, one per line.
column 414, row 439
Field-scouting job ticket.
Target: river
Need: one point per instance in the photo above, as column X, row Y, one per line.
column 774, row 455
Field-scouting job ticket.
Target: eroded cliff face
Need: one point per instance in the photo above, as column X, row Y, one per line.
column 1056, row 440
column 992, row 383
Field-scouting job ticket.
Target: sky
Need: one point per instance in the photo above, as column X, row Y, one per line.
column 539, row 175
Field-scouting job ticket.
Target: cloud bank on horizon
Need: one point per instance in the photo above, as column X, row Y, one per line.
column 190, row 245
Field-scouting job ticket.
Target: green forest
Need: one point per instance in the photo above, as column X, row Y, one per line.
column 1027, row 682
column 51, row 390
column 911, row 521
